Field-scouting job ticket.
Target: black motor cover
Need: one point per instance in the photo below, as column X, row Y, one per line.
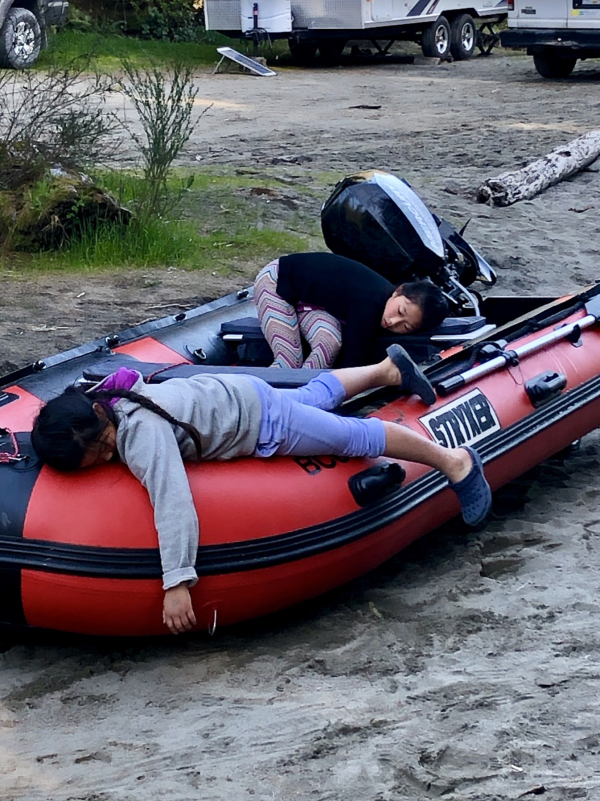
column 377, row 219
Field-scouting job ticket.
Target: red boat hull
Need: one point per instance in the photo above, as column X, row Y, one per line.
column 279, row 531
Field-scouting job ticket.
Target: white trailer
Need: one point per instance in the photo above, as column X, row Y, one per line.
column 441, row 27
column 555, row 32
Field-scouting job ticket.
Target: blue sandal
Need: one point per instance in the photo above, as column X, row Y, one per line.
column 414, row 380
column 474, row 493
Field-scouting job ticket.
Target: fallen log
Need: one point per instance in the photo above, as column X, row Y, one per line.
column 510, row 187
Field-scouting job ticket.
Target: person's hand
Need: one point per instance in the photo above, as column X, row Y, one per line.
column 178, row 613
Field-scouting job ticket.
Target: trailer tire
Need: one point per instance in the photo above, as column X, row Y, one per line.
column 331, row 50
column 464, row 37
column 553, row 65
column 20, row 39
column 436, row 38
column 303, row 53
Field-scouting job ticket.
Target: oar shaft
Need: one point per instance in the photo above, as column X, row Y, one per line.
column 513, row 356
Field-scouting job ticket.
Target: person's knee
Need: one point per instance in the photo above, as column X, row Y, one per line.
column 325, row 338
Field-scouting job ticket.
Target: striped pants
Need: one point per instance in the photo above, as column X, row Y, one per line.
column 284, row 326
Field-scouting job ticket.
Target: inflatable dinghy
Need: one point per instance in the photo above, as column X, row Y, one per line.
column 79, row 553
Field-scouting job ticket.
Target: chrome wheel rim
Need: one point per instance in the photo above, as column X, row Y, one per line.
column 23, row 40
column 468, row 37
column 441, row 40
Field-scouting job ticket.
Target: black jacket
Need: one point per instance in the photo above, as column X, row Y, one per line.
column 349, row 291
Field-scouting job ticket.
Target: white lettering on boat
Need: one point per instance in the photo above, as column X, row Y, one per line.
column 463, row 421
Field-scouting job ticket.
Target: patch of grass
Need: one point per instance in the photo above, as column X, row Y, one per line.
column 159, row 244
column 219, row 226
column 106, row 51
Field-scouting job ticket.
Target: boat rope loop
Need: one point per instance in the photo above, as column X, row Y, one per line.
column 15, row 456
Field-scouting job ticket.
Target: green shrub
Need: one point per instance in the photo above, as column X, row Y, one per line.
column 171, row 20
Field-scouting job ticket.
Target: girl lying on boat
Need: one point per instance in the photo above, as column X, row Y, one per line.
column 154, row 428
column 339, row 307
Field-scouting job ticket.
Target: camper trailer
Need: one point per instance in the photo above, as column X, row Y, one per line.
column 443, row 28
column 555, row 32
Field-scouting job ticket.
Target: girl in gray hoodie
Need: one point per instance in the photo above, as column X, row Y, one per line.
column 154, row 428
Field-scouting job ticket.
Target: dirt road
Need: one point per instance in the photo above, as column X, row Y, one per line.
column 466, row 668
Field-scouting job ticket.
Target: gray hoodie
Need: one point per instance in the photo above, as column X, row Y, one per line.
column 226, row 411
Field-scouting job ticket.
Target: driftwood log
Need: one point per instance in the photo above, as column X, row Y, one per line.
column 510, row 187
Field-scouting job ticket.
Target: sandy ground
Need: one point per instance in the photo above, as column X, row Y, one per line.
column 463, row 669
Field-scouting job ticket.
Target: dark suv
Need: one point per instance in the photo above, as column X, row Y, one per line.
column 23, row 25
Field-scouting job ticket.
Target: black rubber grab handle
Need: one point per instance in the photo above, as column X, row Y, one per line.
column 545, row 386
column 376, row 483
column 448, row 385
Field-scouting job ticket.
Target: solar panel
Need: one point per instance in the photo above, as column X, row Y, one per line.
column 244, row 61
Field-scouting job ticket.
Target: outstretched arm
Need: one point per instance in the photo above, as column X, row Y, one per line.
column 149, row 448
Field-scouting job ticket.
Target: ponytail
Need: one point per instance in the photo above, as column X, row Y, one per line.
column 146, row 403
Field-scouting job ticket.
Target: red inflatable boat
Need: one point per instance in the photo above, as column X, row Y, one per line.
column 79, row 552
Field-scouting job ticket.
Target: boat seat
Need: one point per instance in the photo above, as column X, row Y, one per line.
column 155, row 372
column 451, row 327
column 246, row 337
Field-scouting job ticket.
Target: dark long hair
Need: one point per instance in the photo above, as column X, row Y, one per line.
column 68, row 425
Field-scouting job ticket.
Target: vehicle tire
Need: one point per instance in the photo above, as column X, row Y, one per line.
column 331, row 50
column 553, row 65
column 464, row 37
column 303, row 53
column 436, row 38
column 20, row 39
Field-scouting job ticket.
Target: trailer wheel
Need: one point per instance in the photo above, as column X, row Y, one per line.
column 552, row 65
column 303, row 53
column 331, row 50
column 20, row 39
column 464, row 37
column 436, row 38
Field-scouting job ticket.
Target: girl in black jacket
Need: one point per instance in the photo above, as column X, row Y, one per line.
column 339, row 307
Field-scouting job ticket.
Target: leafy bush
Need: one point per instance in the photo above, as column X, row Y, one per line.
column 169, row 20
column 165, row 104
column 49, row 118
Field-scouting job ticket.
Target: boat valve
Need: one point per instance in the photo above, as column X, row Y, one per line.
column 377, row 482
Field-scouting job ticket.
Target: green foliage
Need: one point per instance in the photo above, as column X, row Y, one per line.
column 170, row 20
column 52, row 117
column 109, row 50
column 161, row 243
column 78, row 20
column 54, row 211
column 164, row 103
column 174, row 20
column 221, row 226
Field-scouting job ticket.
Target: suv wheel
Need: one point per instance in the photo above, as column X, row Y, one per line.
column 20, row 39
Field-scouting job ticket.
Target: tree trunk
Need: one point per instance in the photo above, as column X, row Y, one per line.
column 510, row 187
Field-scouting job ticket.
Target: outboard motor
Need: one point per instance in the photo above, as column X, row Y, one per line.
column 377, row 219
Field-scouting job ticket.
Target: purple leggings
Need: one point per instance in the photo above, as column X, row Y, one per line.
column 297, row 422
